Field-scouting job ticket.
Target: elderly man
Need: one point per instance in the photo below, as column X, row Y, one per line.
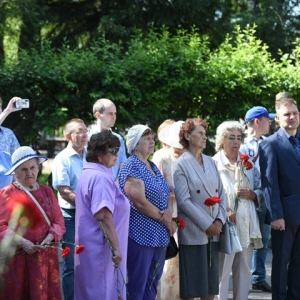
column 105, row 113
column 66, row 169
column 258, row 123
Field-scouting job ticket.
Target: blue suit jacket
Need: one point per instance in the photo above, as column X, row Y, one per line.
column 280, row 177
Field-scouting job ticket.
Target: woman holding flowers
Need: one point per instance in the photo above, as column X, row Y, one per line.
column 101, row 224
column 30, row 220
column 241, row 181
column 150, row 217
column 201, row 203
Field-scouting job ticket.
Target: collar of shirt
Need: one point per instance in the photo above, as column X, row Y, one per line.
column 71, row 151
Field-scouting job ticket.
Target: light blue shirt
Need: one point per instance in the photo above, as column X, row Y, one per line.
column 66, row 170
column 5, row 165
column 250, row 147
column 122, row 152
column 8, row 140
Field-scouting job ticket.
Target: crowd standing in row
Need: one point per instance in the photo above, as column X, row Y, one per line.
column 122, row 209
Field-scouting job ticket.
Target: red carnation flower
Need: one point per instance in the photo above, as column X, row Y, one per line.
column 248, row 165
column 79, row 249
column 212, row 201
column 65, row 252
column 244, row 157
column 180, row 222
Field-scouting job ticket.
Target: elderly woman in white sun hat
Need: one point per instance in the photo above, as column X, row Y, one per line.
column 168, row 287
column 33, row 271
column 150, row 222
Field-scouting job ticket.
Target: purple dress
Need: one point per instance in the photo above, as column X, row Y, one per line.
column 95, row 276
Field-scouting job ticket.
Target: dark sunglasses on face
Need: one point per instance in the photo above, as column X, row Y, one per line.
column 113, row 151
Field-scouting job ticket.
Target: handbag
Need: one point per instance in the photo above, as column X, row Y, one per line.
column 172, row 248
column 229, row 240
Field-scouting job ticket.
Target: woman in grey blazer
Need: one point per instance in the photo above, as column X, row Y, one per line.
column 195, row 179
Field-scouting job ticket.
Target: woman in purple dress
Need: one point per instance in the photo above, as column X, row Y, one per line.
column 101, row 224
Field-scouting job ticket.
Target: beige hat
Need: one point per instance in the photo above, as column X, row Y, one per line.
column 170, row 135
column 282, row 95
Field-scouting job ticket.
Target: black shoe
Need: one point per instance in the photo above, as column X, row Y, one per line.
column 262, row 286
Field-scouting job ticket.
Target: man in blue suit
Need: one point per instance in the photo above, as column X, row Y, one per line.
column 280, row 175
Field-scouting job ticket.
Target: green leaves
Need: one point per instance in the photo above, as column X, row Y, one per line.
column 155, row 77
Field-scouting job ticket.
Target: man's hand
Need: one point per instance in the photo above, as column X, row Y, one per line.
column 11, row 105
column 278, row 224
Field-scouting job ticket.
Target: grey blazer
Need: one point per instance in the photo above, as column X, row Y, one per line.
column 193, row 185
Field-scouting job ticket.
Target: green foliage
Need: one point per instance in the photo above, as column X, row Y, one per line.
column 156, row 76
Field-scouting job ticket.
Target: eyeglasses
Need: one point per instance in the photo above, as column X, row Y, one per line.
column 113, row 151
column 81, row 132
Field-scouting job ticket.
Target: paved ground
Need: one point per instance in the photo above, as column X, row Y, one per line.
column 258, row 295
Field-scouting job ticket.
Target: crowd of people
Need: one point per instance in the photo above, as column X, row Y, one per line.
column 122, row 210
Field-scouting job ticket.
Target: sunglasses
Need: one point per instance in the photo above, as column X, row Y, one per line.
column 113, row 151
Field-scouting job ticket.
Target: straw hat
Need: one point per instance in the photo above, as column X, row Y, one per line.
column 21, row 155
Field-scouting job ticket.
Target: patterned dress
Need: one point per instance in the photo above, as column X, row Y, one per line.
column 32, row 276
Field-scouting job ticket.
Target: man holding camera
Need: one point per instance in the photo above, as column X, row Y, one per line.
column 8, row 141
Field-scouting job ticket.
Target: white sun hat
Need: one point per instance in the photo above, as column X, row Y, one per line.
column 170, row 135
column 21, row 155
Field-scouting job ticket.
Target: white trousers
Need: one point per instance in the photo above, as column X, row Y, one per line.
column 240, row 265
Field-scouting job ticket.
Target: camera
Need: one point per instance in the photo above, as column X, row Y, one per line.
column 22, row 103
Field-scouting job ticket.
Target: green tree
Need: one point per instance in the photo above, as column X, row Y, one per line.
column 157, row 76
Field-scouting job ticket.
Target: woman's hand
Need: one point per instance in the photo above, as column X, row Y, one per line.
column 48, row 239
column 166, row 218
column 232, row 217
column 213, row 229
column 246, row 193
column 172, row 227
column 29, row 247
column 117, row 258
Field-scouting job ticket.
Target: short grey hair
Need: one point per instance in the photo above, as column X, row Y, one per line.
column 222, row 130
